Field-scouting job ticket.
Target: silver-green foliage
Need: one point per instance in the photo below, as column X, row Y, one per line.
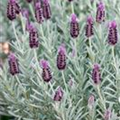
column 28, row 97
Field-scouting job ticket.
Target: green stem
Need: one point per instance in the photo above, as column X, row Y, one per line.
column 113, row 55
column 72, row 7
column 90, row 44
column 14, row 30
column 32, row 11
column 101, row 98
column 22, row 23
column 117, row 72
column 64, row 81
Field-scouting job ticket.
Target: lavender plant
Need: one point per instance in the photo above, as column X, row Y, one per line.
column 65, row 60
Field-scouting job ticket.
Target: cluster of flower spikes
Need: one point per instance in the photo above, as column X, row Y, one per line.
column 43, row 11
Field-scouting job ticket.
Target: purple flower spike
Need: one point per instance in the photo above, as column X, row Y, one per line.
column 74, row 26
column 13, row 64
column 96, row 76
column 112, row 35
column 89, row 27
column 58, row 94
column 61, row 57
column 11, row 10
column 100, row 15
column 17, row 8
column 33, row 36
column 107, row 114
column 46, row 74
column 46, row 9
column 38, row 12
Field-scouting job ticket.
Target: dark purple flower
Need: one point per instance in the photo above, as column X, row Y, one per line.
column 13, row 64
column 96, row 76
column 11, row 9
column 46, row 9
column 58, row 94
column 100, row 15
column 17, row 8
column 107, row 115
column 38, row 12
column 33, row 36
column 89, row 27
column 74, row 26
column 61, row 57
column 46, row 74
column 112, row 35
column 29, row 1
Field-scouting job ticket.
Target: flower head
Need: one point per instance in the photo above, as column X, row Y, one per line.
column 107, row 114
column 46, row 74
column 13, row 64
column 61, row 57
column 46, row 9
column 74, row 26
column 100, row 15
column 112, row 35
column 96, row 76
column 33, row 36
column 58, row 94
column 11, row 9
column 38, row 12
column 89, row 27
column 44, row 64
column 91, row 100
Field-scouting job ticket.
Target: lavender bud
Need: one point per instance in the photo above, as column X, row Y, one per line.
column 27, row 26
column 25, row 13
column 46, row 9
column 112, row 35
column 46, row 74
column 74, row 26
column 58, row 94
column 33, row 36
column 96, row 76
column 89, row 27
column 100, row 15
column 61, row 57
column 17, row 8
column 11, row 9
column 38, row 12
column 13, row 64
column 29, row 1
column 91, row 101
column 107, row 115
